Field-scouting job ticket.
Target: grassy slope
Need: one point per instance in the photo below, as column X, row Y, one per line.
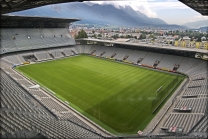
column 114, row 95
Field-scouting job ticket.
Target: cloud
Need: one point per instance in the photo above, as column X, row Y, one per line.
column 169, row 4
column 171, row 11
column 196, row 18
column 147, row 7
column 138, row 5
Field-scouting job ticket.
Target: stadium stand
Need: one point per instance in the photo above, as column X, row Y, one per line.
column 35, row 113
column 22, row 56
column 28, row 112
column 120, row 53
column 42, row 55
column 36, row 38
column 91, row 49
column 202, row 126
column 56, row 53
column 198, row 105
column 18, row 106
column 7, row 40
column 133, row 57
column 99, row 51
column 88, row 49
column 195, row 97
column 49, row 37
column 187, row 121
column 150, row 58
column 109, row 52
column 27, row 39
column 170, row 61
column 22, row 39
column 67, row 51
column 67, row 37
column 2, row 49
column 12, row 58
column 195, row 69
column 195, row 91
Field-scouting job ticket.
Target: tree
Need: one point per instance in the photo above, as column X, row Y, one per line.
column 95, row 36
column 81, row 34
column 151, row 36
column 198, row 37
column 190, row 31
column 115, row 36
column 177, row 32
column 142, row 36
column 99, row 35
column 129, row 36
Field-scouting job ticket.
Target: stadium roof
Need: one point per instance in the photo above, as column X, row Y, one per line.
column 34, row 21
column 8, row 6
column 149, row 45
column 200, row 6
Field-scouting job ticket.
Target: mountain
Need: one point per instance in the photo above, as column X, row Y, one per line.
column 97, row 14
column 142, row 17
column 197, row 24
column 203, row 29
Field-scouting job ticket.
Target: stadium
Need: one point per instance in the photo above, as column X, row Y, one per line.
column 55, row 87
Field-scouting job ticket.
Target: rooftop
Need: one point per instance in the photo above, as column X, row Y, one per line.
column 34, row 21
column 150, row 45
column 200, row 6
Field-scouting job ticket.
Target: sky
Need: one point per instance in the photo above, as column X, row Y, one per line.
column 171, row 11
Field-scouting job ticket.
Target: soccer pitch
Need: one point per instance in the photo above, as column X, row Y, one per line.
column 116, row 96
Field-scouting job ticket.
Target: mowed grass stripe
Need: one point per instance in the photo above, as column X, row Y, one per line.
column 115, row 95
column 144, row 108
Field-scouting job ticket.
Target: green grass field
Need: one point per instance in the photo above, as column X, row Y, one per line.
column 116, row 96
